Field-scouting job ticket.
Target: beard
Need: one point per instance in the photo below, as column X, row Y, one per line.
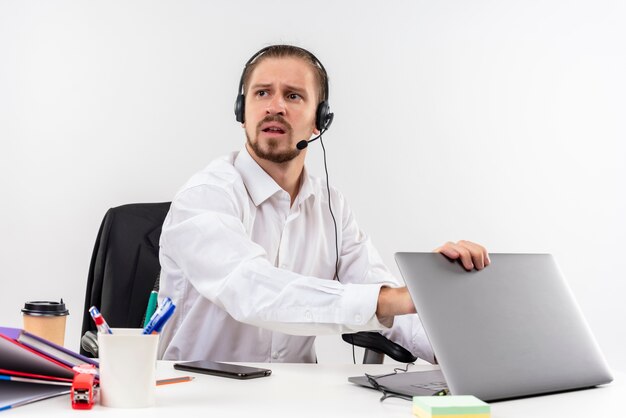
column 271, row 151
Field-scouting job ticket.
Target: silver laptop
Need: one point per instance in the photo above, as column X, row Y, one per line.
column 508, row 331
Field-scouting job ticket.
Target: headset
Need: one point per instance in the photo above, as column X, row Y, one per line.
column 323, row 115
column 323, row 119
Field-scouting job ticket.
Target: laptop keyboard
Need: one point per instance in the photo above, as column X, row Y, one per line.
column 434, row 386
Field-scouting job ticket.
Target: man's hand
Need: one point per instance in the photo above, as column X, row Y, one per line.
column 397, row 301
column 470, row 254
column 393, row 301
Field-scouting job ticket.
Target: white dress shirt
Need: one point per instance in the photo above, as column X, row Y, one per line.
column 252, row 275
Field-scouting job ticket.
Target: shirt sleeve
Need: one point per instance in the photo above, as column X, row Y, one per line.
column 205, row 239
column 360, row 262
column 407, row 331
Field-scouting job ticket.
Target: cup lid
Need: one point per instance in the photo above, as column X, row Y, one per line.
column 45, row 308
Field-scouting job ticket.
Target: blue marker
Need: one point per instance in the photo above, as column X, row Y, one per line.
column 160, row 317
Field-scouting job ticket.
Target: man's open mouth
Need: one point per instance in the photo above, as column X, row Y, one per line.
column 274, row 130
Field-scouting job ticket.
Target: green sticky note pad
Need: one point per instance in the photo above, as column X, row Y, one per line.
column 451, row 405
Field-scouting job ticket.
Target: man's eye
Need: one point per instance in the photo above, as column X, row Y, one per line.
column 294, row 96
column 261, row 93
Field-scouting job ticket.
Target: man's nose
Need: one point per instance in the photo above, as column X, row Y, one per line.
column 276, row 106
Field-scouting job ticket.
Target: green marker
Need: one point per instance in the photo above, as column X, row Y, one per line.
column 152, row 305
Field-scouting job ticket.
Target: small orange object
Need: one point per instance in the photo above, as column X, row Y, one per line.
column 82, row 394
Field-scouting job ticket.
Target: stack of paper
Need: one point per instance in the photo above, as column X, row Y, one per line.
column 450, row 407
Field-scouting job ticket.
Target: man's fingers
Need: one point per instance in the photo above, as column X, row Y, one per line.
column 469, row 253
column 457, row 252
column 448, row 251
column 466, row 256
column 479, row 254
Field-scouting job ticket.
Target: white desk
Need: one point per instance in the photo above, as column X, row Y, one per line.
column 320, row 391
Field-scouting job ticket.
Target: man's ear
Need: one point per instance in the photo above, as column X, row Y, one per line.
column 316, row 131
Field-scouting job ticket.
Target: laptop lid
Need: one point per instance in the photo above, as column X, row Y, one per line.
column 512, row 329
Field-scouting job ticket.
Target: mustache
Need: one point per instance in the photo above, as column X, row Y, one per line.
column 274, row 118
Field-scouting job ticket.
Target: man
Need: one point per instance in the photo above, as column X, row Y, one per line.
column 248, row 247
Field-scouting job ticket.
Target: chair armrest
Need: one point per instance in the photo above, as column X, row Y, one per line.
column 89, row 343
column 380, row 344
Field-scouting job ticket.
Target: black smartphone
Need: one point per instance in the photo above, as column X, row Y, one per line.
column 234, row 371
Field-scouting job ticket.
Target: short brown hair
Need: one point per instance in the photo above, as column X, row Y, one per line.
column 284, row 51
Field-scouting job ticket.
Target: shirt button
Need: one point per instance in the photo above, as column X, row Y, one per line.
column 357, row 318
column 275, row 355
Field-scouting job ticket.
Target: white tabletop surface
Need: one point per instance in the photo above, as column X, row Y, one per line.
column 321, row 391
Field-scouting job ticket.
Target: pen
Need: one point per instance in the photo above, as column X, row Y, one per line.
column 160, row 317
column 101, row 324
column 158, row 326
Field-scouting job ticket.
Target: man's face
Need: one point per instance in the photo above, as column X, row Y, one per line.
column 280, row 107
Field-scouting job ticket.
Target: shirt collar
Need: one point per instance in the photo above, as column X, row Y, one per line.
column 260, row 185
column 306, row 188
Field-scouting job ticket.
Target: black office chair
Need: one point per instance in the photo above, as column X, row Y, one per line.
column 125, row 265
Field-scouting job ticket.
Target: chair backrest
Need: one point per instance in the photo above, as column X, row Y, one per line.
column 124, row 265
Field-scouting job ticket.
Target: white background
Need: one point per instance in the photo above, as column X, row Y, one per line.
column 496, row 121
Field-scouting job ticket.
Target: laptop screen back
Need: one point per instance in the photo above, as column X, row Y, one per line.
column 510, row 330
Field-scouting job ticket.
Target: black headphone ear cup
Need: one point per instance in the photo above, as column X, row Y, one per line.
column 240, row 108
column 321, row 116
